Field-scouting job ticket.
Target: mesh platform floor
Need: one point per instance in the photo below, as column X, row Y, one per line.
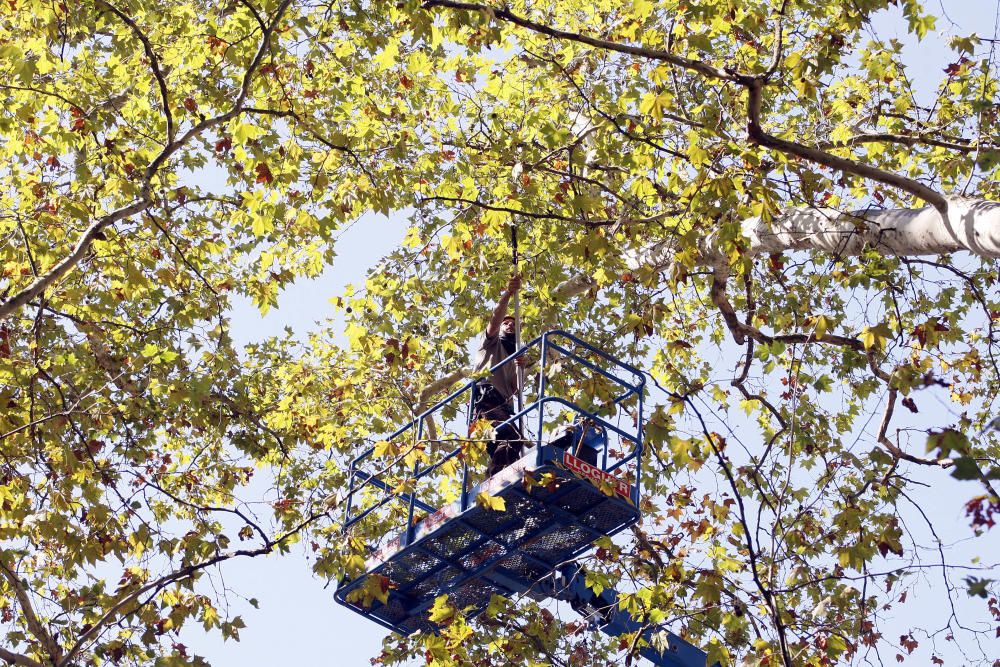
column 473, row 554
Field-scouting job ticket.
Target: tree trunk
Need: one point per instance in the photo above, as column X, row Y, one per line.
column 972, row 225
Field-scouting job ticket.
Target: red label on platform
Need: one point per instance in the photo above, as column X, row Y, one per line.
column 596, row 476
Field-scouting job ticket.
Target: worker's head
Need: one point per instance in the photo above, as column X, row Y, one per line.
column 508, row 326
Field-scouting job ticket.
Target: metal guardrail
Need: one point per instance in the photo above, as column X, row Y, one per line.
column 548, row 342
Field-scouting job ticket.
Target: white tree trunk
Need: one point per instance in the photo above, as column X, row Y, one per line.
column 971, row 225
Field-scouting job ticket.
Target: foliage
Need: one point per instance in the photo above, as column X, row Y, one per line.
column 161, row 159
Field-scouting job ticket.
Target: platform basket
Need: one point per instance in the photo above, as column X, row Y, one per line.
column 476, row 553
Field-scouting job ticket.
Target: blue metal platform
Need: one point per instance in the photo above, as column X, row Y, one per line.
column 476, row 552
column 421, row 502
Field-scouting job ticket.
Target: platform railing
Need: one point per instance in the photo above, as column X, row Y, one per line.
column 554, row 344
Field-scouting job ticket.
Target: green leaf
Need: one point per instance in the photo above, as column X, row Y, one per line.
column 966, row 468
column 717, row 654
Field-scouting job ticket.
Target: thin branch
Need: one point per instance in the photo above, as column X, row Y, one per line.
column 976, row 292
column 236, row 109
column 170, row 239
column 653, row 54
column 252, row 416
column 211, row 508
column 768, row 595
column 753, row 84
column 41, row 420
column 555, row 216
column 612, row 120
column 178, row 575
column 256, row 15
column 154, row 63
column 318, row 136
column 883, row 439
column 40, row 91
column 27, row 246
column 904, row 139
column 742, row 331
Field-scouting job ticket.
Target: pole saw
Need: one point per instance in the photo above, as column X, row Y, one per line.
column 517, row 327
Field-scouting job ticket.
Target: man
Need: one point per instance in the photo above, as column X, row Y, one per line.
column 494, row 399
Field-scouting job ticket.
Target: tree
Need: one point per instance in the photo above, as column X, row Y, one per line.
column 699, row 188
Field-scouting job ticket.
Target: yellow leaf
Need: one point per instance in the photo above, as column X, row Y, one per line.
column 387, row 56
column 867, row 338
column 386, row 449
column 415, row 455
column 375, row 587
column 821, row 325
column 486, row 501
column 443, row 612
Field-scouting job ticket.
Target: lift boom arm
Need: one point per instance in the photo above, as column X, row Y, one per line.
column 568, row 584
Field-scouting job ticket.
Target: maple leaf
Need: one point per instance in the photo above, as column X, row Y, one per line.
column 493, row 503
column 263, row 173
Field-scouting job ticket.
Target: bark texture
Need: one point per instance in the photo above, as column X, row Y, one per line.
column 971, row 225
column 968, row 225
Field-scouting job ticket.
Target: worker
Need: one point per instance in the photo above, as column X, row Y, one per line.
column 494, row 399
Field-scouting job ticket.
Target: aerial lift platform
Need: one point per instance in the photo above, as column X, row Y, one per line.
column 444, row 534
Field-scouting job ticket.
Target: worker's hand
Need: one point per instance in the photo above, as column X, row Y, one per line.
column 521, row 361
column 514, row 284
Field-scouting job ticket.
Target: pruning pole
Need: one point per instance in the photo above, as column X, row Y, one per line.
column 517, row 328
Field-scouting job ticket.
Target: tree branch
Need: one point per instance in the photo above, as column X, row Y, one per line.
column 779, row 37
column 755, row 93
column 42, row 283
column 154, row 63
column 30, row 618
column 554, row 216
column 653, row 54
column 883, row 440
column 968, row 225
column 904, row 139
column 769, row 597
column 83, row 245
column 17, row 659
column 741, row 331
column 177, row 575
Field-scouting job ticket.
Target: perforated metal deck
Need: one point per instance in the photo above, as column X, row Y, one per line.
column 473, row 554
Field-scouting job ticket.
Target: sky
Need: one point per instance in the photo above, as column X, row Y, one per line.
column 298, row 620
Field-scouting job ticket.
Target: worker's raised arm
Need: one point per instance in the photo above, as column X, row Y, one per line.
column 493, row 328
